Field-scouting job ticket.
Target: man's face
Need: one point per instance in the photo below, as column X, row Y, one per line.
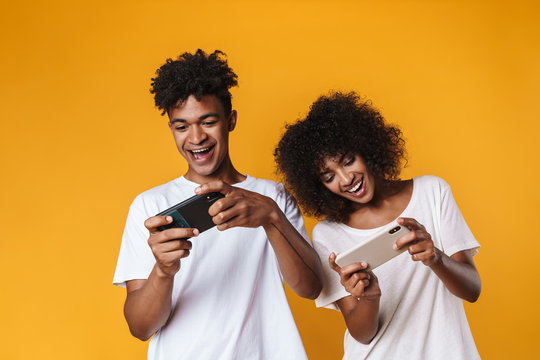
column 201, row 132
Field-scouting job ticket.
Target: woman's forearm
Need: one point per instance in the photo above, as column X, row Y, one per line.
column 458, row 274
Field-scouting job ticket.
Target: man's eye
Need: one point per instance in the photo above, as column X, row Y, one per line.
column 209, row 123
column 181, row 128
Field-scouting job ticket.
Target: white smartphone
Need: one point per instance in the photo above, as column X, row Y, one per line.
column 377, row 250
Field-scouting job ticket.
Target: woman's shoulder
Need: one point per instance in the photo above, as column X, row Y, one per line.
column 430, row 181
column 324, row 226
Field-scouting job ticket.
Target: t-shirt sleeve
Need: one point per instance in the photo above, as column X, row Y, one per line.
column 290, row 208
column 455, row 234
column 332, row 289
column 135, row 260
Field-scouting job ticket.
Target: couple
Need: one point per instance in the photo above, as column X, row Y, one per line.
column 220, row 295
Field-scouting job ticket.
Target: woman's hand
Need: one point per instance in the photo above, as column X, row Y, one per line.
column 359, row 283
column 421, row 245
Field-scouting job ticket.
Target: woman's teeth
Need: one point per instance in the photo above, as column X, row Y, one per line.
column 356, row 187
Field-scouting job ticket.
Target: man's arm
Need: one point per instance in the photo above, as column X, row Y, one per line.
column 457, row 272
column 298, row 262
column 148, row 302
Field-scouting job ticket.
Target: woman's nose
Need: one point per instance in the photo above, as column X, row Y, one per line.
column 345, row 178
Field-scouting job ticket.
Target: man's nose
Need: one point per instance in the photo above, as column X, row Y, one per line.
column 196, row 135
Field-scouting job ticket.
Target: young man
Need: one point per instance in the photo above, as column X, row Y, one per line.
column 220, row 294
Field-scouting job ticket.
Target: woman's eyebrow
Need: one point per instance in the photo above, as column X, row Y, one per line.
column 323, row 172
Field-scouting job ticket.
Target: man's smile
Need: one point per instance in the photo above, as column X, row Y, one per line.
column 201, row 153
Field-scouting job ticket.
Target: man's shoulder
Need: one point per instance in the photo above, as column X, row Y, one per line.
column 164, row 194
column 263, row 186
column 158, row 190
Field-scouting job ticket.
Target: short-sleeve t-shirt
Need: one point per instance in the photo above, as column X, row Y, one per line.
column 418, row 316
column 228, row 300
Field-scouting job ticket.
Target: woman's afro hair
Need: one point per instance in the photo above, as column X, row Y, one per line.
column 337, row 124
column 195, row 74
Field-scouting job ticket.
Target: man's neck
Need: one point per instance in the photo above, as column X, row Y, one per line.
column 227, row 173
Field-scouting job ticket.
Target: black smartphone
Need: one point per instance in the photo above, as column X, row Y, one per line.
column 192, row 213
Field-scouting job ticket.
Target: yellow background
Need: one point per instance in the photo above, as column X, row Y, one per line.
column 80, row 138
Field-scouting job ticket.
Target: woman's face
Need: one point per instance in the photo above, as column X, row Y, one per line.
column 348, row 177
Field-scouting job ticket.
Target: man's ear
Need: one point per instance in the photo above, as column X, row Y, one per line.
column 169, row 123
column 232, row 120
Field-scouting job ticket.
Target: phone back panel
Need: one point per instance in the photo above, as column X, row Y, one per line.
column 377, row 250
column 192, row 213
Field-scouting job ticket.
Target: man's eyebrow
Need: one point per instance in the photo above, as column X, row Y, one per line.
column 203, row 117
column 208, row 115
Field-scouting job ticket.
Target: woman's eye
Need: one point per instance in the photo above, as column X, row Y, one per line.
column 349, row 162
column 328, row 179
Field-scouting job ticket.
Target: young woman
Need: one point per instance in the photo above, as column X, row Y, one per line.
column 342, row 162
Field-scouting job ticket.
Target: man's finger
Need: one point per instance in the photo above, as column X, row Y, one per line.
column 152, row 223
column 175, row 245
column 221, row 205
column 214, row 186
column 172, row 234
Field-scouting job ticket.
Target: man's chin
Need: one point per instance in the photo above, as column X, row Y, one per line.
column 201, row 171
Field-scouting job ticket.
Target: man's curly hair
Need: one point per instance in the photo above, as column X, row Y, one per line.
column 195, row 74
column 336, row 125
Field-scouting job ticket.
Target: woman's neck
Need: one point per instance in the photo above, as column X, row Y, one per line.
column 390, row 199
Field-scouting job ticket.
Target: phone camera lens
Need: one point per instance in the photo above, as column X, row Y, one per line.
column 394, row 230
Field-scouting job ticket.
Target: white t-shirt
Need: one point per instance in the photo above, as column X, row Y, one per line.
column 228, row 297
column 418, row 317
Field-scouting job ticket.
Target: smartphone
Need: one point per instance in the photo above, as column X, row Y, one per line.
column 192, row 213
column 377, row 250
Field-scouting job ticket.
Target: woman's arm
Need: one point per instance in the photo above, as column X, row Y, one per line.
column 457, row 272
column 361, row 309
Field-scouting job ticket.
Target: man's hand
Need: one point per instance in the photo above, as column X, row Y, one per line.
column 298, row 262
column 168, row 246
column 239, row 207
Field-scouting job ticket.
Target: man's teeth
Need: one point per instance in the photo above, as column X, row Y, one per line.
column 356, row 187
column 198, row 151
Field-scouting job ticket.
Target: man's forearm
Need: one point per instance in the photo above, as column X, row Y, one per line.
column 298, row 262
column 147, row 307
